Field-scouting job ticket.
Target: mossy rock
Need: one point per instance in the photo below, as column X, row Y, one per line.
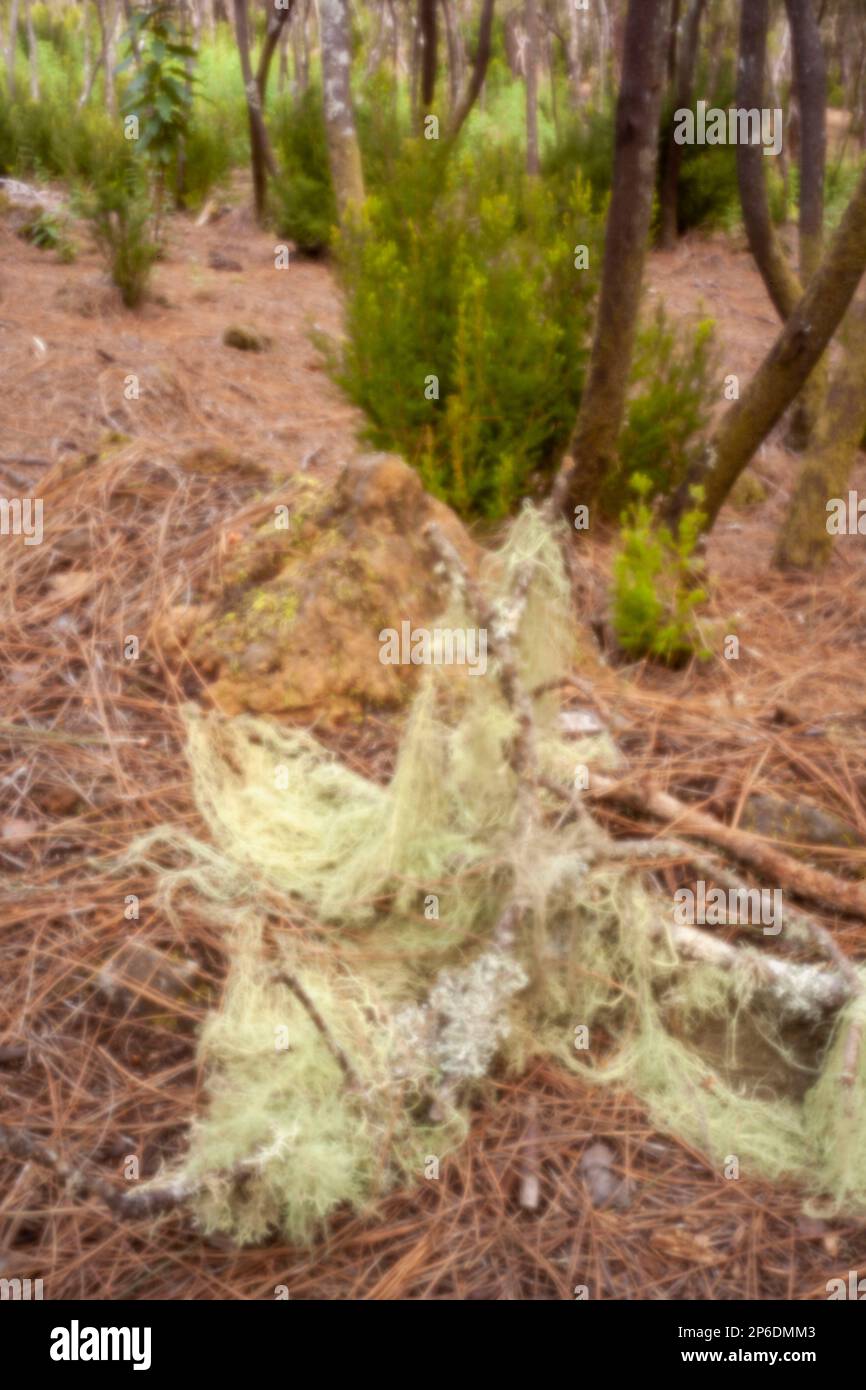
column 797, row 822
column 245, row 339
column 293, row 629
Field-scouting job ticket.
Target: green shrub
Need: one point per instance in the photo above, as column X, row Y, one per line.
column 708, row 190
column 120, row 217
column 303, row 203
column 48, row 139
column 655, row 592
column 382, row 117
column 50, row 232
column 159, row 96
column 208, row 157
column 467, row 322
column 304, row 208
column 673, row 390
column 841, row 180
column 586, row 144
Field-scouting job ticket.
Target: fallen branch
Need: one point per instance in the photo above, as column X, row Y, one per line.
column 138, row 1202
column 802, row 989
column 803, row 880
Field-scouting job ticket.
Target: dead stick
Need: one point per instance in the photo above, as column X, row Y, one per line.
column 129, row 1205
column 290, row 981
column 806, row 882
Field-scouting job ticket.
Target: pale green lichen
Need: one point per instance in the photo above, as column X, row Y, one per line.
column 420, row 1005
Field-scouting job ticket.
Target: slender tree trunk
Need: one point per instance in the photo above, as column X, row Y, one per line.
column 455, row 55
column 479, row 70
column 12, row 50
column 804, row 542
column 32, row 52
column 261, row 156
column 603, row 36
column 414, row 49
column 429, row 56
column 550, row 57
column 277, row 21
column 779, row 277
column 783, row 285
column 797, row 350
column 90, row 68
column 811, row 78
column 673, row 41
column 107, row 17
column 133, row 41
column 343, row 149
column 530, row 13
column 687, row 53
column 300, row 50
column 572, row 50
column 594, row 446
column 283, row 71
column 379, row 46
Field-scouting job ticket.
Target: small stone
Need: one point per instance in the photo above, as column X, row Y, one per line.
column 245, row 339
column 217, row 261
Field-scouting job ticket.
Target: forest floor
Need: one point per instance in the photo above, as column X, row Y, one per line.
column 787, row 719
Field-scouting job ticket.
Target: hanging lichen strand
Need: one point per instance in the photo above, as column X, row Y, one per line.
column 391, row 946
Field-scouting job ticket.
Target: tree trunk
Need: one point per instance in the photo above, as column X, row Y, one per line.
column 429, row 37
column 108, row 33
column 261, row 156
column 12, row 50
column 687, row 53
column 273, row 33
column 300, row 50
column 778, row 275
column 603, row 33
column 343, row 149
column 810, row 74
column 89, row 68
column 32, row 52
column 594, row 446
column 799, row 347
column 531, row 69
column 780, row 278
column 550, row 58
column 283, row 71
column 455, row 55
column 804, row 542
column 572, row 50
column 479, row 69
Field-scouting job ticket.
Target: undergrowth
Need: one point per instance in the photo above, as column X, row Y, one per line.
column 656, row 589
column 468, row 322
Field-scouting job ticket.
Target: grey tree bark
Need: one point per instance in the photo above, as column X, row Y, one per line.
column 684, row 59
column 479, row 70
column 11, row 50
column 32, row 52
column 261, row 155
column 798, row 348
column 594, row 445
column 343, row 149
column 531, row 69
